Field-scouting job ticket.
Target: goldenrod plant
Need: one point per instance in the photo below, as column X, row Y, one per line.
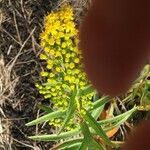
column 76, row 105
column 63, row 72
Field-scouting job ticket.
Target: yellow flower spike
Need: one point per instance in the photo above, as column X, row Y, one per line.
column 44, row 74
column 71, row 65
column 59, row 40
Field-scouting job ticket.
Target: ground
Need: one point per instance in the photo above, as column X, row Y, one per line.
column 20, row 25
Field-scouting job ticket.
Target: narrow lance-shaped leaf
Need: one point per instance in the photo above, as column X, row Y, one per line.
column 46, row 117
column 88, row 139
column 87, row 136
column 98, row 129
column 97, row 112
column 99, row 103
column 116, row 125
column 45, row 108
column 87, row 90
column 117, row 118
column 70, row 111
column 75, row 146
column 55, row 137
column 66, row 144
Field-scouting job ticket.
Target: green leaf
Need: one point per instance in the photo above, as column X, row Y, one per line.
column 145, row 92
column 118, row 118
column 98, row 107
column 75, row 146
column 45, row 108
column 68, row 143
column 46, row 117
column 116, row 124
column 87, row 136
column 87, row 90
column 88, row 140
column 70, row 111
column 100, row 103
column 97, row 146
column 96, row 112
column 55, row 137
column 98, row 129
column 83, row 146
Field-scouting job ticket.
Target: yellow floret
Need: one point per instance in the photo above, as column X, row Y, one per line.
column 71, row 65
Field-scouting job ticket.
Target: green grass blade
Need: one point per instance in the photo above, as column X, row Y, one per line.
column 46, row 117
column 70, row 111
column 68, row 143
column 98, row 129
column 55, row 137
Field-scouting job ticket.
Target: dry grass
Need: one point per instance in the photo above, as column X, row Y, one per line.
column 8, row 81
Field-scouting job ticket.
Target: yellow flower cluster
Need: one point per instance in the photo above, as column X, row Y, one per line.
column 63, row 72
